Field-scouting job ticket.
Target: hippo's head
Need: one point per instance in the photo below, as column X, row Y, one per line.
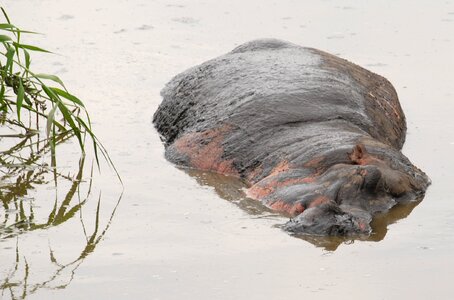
column 330, row 219
column 342, row 198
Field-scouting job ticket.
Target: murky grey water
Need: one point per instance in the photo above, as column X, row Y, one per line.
column 173, row 238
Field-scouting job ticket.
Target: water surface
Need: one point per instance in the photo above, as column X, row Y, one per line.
column 177, row 234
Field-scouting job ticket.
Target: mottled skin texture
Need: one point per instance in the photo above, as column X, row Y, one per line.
column 315, row 136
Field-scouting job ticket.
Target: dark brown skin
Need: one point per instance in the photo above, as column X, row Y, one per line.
column 315, row 136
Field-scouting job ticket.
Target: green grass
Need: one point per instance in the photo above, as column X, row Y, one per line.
column 28, row 98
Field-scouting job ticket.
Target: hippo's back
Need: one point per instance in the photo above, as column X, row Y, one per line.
column 267, row 83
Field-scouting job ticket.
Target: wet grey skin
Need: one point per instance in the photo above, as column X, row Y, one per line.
column 314, row 136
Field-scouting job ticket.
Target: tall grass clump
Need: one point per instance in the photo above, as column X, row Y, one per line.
column 31, row 101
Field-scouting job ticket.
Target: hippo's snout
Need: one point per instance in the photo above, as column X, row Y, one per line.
column 331, row 219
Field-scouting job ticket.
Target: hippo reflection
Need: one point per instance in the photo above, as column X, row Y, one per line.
column 232, row 189
column 314, row 136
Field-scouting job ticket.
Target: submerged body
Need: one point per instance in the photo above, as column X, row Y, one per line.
column 315, row 136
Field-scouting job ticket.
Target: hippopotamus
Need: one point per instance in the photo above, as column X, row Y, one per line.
column 314, row 136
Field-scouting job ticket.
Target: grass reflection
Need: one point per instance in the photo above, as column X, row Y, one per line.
column 17, row 284
column 35, row 199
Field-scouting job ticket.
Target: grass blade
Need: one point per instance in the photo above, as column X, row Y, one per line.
column 53, row 97
column 4, row 38
column 14, row 29
column 68, row 96
column 68, row 118
column 5, row 15
column 30, row 47
column 20, row 98
column 10, row 58
column 66, row 114
column 51, row 77
column 93, row 137
column 101, row 147
column 50, row 120
column 27, row 60
column 7, row 26
column 4, row 105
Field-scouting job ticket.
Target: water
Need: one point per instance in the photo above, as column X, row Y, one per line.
column 173, row 235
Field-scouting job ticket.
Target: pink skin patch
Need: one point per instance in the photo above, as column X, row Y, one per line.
column 268, row 185
column 271, row 183
column 315, row 162
column 318, row 201
column 291, row 209
column 265, row 187
column 362, row 226
column 281, row 167
column 205, row 151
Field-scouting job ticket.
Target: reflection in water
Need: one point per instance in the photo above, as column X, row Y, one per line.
column 379, row 228
column 37, row 198
column 17, row 283
column 231, row 189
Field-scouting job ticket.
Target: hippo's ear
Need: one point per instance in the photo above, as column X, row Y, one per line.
column 358, row 153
